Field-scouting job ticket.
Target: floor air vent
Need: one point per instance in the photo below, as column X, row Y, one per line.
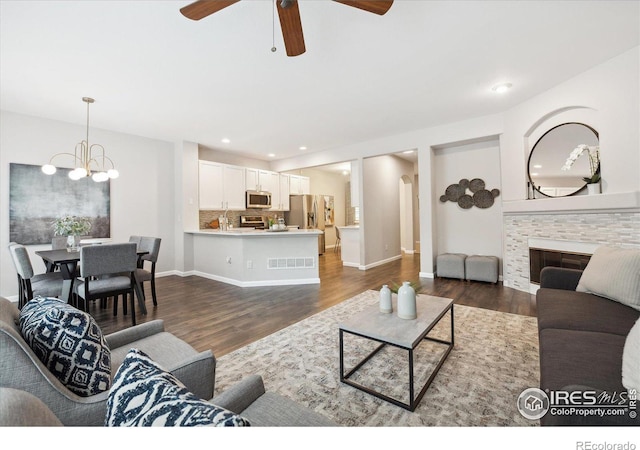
column 291, row 263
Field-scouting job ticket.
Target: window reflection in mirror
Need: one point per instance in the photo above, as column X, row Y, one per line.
column 550, row 153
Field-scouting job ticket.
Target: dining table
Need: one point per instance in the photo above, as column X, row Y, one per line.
column 68, row 261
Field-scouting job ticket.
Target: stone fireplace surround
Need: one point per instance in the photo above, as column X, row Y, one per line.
column 612, row 219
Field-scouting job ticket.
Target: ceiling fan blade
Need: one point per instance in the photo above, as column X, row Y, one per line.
column 379, row 7
column 291, row 27
column 203, row 8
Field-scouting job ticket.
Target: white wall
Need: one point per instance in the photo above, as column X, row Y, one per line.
column 473, row 231
column 605, row 97
column 609, row 91
column 209, row 154
column 141, row 198
column 380, row 213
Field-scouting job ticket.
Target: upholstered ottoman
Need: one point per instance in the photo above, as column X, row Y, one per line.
column 482, row 268
column 451, row 265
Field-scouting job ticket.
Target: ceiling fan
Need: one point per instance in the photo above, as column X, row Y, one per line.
column 288, row 13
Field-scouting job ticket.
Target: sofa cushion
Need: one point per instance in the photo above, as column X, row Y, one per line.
column 570, row 357
column 613, row 273
column 69, row 343
column 23, row 409
column 631, row 360
column 274, row 410
column 557, row 308
column 143, row 394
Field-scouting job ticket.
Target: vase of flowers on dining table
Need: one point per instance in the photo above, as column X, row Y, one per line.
column 73, row 227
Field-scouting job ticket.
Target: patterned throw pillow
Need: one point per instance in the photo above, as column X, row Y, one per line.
column 144, row 395
column 69, row 342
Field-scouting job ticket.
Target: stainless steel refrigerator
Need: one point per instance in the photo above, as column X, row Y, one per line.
column 307, row 212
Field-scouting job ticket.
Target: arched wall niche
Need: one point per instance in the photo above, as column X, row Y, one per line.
column 580, row 114
column 565, row 115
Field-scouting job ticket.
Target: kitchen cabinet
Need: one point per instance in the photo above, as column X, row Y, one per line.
column 285, row 189
column 221, row 186
column 299, row 185
column 261, row 180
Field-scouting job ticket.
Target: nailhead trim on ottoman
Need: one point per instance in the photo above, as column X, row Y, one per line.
column 482, row 268
column 451, row 265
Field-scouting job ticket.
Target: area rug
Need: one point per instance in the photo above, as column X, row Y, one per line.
column 494, row 359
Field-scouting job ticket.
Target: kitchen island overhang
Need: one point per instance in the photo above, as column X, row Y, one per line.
column 247, row 258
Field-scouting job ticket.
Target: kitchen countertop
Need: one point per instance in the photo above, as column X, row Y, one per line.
column 255, row 233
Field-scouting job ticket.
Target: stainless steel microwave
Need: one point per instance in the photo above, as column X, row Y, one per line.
column 258, row 199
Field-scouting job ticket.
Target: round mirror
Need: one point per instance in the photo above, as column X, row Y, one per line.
column 549, row 173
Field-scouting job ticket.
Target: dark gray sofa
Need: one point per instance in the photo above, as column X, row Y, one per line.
column 581, row 337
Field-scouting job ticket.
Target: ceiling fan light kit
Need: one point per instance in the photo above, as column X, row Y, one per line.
column 289, row 15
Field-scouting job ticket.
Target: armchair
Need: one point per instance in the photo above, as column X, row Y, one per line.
column 21, row 369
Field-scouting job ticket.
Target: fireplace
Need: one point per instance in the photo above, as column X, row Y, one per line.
column 557, row 253
column 540, row 258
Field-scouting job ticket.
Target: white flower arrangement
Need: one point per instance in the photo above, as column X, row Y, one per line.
column 594, row 161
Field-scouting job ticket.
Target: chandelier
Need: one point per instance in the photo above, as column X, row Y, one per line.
column 88, row 159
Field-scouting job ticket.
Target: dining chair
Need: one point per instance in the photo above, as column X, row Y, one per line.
column 152, row 246
column 336, row 248
column 107, row 270
column 30, row 284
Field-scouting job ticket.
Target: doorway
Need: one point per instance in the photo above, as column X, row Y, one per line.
column 405, row 201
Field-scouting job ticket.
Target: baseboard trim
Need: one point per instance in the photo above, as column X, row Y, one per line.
column 426, row 275
column 380, row 263
column 256, row 283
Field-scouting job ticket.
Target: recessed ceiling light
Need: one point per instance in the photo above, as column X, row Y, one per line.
column 226, row 140
column 537, row 166
column 534, row 174
column 501, row 88
column 408, row 152
column 303, row 147
column 271, row 155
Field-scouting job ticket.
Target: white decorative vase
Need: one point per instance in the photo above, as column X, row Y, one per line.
column 407, row 301
column 594, row 188
column 385, row 300
column 73, row 242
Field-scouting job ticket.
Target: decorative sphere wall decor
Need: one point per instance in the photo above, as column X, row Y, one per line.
column 480, row 197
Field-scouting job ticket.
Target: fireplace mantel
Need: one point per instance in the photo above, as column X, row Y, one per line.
column 586, row 204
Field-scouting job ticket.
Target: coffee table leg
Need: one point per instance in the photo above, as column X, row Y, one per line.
column 341, row 356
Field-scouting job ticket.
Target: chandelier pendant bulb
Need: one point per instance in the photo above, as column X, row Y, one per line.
column 89, row 159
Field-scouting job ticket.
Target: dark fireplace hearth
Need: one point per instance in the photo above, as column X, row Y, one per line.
column 540, row 258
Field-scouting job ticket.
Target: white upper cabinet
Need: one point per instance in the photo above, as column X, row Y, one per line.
column 299, row 185
column 210, row 185
column 221, row 186
column 284, row 192
column 260, row 180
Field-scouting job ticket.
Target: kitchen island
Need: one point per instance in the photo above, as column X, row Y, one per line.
column 350, row 246
column 248, row 257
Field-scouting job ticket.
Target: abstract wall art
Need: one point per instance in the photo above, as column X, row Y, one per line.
column 36, row 200
column 479, row 196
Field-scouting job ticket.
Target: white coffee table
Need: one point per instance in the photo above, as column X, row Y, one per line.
column 389, row 329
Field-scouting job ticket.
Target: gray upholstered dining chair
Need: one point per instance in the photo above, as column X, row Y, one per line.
column 152, row 246
column 30, row 284
column 107, row 270
column 135, row 239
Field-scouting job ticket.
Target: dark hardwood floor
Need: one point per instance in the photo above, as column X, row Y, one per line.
column 221, row 317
